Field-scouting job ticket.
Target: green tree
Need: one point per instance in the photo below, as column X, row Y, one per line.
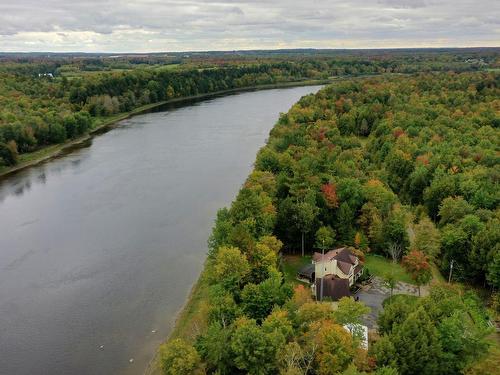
column 214, row 349
column 304, row 218
column 179, row 358
column 493, row 275
column 258, row 300
column 390, row 281
column 229, row 268
column 418, row 347
column 427, row 238
column 349, row 311
column 8, row 153
column 325, row 237
column 452, row 209
column 254, row 350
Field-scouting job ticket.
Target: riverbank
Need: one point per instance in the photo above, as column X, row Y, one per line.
column 189, row 322
column 103, row 124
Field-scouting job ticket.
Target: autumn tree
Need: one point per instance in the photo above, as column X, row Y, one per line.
column 417, row 265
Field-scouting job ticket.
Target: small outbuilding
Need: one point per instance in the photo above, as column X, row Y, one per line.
column 307, row 273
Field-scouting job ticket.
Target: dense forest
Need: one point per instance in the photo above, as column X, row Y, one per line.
column 402, row 166
column 47, row 100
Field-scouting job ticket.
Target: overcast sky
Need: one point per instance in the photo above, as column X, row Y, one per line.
column 182, row 25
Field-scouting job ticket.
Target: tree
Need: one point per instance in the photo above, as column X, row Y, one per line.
column 223, row 309
column 214, row 349
column 220, row 232
column 262, row 260
column 349, row 311
column 395, row 250
column 179, row 358
column 427, row 238
column 324, row 237
column 335, row 347
column 8, row 153
column 493, row 275
column 485, row 246
column 345, row 222
column 462, row 341
column 417, row 343
column 258, row 300
column 254, row 350
column 329, row 191
column 395, row 229
column 295, row 218
column 229, row 268
column 313, row 311
column 417, row 265
column 390, row 281
column 394, row 314
column 170, row 92
column 384, row 352
column 304, row 219
column 452, row 209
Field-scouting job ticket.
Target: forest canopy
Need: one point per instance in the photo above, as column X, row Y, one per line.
column 406, row 163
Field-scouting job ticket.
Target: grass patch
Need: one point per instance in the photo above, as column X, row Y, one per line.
column 380, row 266
column 291, row 264
column 193, row 318
column 436, row 274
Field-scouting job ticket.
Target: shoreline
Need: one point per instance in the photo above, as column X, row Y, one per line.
column 50, row 152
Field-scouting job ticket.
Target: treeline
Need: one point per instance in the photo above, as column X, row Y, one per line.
column 388, row 165
column 39, row 111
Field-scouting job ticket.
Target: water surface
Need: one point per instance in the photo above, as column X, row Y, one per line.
column 101, row 247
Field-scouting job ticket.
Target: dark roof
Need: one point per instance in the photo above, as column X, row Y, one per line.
column 306, row 271
column 333, row 287
column 344, row 266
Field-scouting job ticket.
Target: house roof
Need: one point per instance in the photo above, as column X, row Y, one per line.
column 345, row 259
column 344, row 266
column 333, row 286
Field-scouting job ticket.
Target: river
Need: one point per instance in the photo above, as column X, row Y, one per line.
column 99, row 248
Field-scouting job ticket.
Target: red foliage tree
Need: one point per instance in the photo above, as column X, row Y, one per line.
column 329, row 191
column 417, row 265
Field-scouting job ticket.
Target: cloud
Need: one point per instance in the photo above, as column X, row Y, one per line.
column 168, row 25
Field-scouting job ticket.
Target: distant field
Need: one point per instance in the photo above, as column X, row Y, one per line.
column 72, row 72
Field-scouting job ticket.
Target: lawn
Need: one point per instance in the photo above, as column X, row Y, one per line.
column 290, row 266
column 380, row 266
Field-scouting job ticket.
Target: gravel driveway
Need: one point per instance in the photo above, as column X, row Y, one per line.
column 375, row 293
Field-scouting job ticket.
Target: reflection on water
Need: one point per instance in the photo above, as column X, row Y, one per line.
column 20, row 182
column 101, row 246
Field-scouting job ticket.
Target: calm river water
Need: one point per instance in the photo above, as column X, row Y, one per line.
column 99, row 248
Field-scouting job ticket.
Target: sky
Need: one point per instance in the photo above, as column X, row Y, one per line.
column 201, row 25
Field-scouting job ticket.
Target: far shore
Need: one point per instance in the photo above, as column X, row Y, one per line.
column 103, row 124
